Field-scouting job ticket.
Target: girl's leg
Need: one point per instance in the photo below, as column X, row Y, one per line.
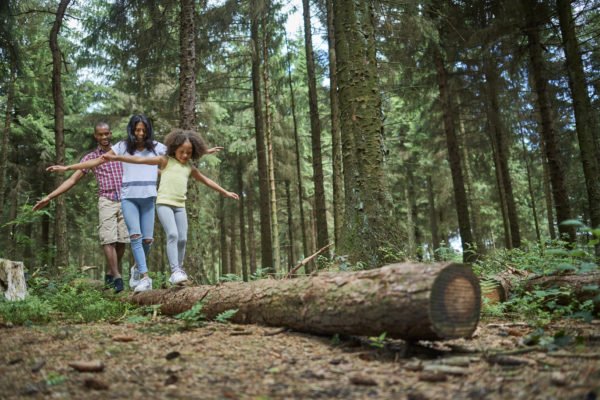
column 131, row 214
column 166, row 215
column 182, row 227
column 146, row 206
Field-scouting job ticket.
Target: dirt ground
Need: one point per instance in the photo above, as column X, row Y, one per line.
column 156, row 360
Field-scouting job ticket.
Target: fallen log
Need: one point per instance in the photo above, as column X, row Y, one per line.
column 406, row 301
column 12, row 280
column 581, row 286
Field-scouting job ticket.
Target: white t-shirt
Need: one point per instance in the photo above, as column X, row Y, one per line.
column 139, row 180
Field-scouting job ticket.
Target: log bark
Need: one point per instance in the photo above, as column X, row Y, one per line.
column 12, row 280
column 407, row 301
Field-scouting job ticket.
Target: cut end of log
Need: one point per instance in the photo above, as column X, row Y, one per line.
column 455, row 302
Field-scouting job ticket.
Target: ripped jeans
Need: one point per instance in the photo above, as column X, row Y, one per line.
column 139, row 218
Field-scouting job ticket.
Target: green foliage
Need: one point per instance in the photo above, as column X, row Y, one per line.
column 31, row 310
column 447, row 253
column 68, row 297
column 225, row 316
column 378, row 341
column 230, row 278
column 193, row 317
column 542, row 305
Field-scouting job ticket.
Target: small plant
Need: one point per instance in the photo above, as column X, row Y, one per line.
column 193, row 317
column 378, row 341
column 230, row 278
column 225, row 316
column 30, row 310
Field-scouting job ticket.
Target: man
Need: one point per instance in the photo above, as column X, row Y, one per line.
column 111, row 229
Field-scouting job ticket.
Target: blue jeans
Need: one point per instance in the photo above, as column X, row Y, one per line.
column 139, row 218
column 175, row 224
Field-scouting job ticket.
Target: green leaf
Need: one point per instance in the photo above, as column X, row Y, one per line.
column 573, row 222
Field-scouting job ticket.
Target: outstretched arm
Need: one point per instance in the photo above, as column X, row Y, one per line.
column 64, row 187
column 82, row 165
column 161, row 161
column 197, row 175
column 214, row 150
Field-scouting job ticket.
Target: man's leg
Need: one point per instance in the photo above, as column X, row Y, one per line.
column 110, row 252
column 120, row 250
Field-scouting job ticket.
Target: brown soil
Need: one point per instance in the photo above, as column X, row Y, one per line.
column 223, row 361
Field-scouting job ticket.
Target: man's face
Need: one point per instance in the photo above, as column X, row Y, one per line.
column 103, row 135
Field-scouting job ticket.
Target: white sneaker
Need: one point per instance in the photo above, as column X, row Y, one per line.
column 143, row 285
column 177, row 277
column 134, row 276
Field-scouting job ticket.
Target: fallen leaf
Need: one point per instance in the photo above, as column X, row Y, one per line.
column 171, row 380
column 363, row 380
column 95, row 384
column 172, row 355
column 87, row 366
column 123, row 338
column 38, row 366
column 433, row 377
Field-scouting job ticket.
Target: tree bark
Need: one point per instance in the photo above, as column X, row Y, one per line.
column 406, row 301
column 367, row 207
column 266, row 244
column 291, row 255
column 584, row 117
column 10, row 96
column 458, row 183
column 276, row 246
column 251, row 241
column 305, row 247
column 556, row 170
column 12, row 280
column 433, row 222
column 315, row 129
column 187, row 65
column 60, row 221
column 242, row 219
column 501, row 146
column 336, row 140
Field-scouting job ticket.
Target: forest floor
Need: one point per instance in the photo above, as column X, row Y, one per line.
column 157, row 359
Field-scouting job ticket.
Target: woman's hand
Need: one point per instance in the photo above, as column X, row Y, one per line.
column 214, row 150
column 231, row 195
column 41, row 204
column 57, row 168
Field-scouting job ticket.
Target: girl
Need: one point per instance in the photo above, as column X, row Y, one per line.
column 138, row 192
column 182, row 145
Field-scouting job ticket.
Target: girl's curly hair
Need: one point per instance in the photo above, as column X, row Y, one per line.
column 177, row 137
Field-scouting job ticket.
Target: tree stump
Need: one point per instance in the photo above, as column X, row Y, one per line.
column 12, row 280
column 407, row 301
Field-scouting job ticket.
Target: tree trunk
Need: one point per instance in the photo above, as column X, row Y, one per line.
column 251, row 241
column 12, row 280
column 305, row 247
column 336, row 140
column 234, row 265
column 584, row 116
column 187, row 65
column 291, row 255
column 266, row 243
column 500, row 143
column 560, row 193
column 60, row 221
column 276, row 246
column 460, row 195
column 224, row 253
column 10, row 96
column 433, row 223
column 242, row 219
column 530, row 187
column 315, row 129
column 406, row 301
column 367, row 208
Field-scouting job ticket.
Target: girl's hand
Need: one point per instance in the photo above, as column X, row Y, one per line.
column 57, row 168
column 214, row 150
column 232, row 195
column 109, row 157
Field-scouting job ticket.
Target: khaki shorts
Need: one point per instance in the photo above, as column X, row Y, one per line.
column 112, row 227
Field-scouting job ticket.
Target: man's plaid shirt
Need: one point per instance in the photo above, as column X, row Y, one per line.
column 109, row 175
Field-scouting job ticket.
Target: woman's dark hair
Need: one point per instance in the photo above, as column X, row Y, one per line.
column 148, row 141
column 177, row 137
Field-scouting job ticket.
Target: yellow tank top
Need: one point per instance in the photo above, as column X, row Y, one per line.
column 173, row 183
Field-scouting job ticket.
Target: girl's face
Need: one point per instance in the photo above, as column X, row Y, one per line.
column 184, row 152
column 140, row 132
